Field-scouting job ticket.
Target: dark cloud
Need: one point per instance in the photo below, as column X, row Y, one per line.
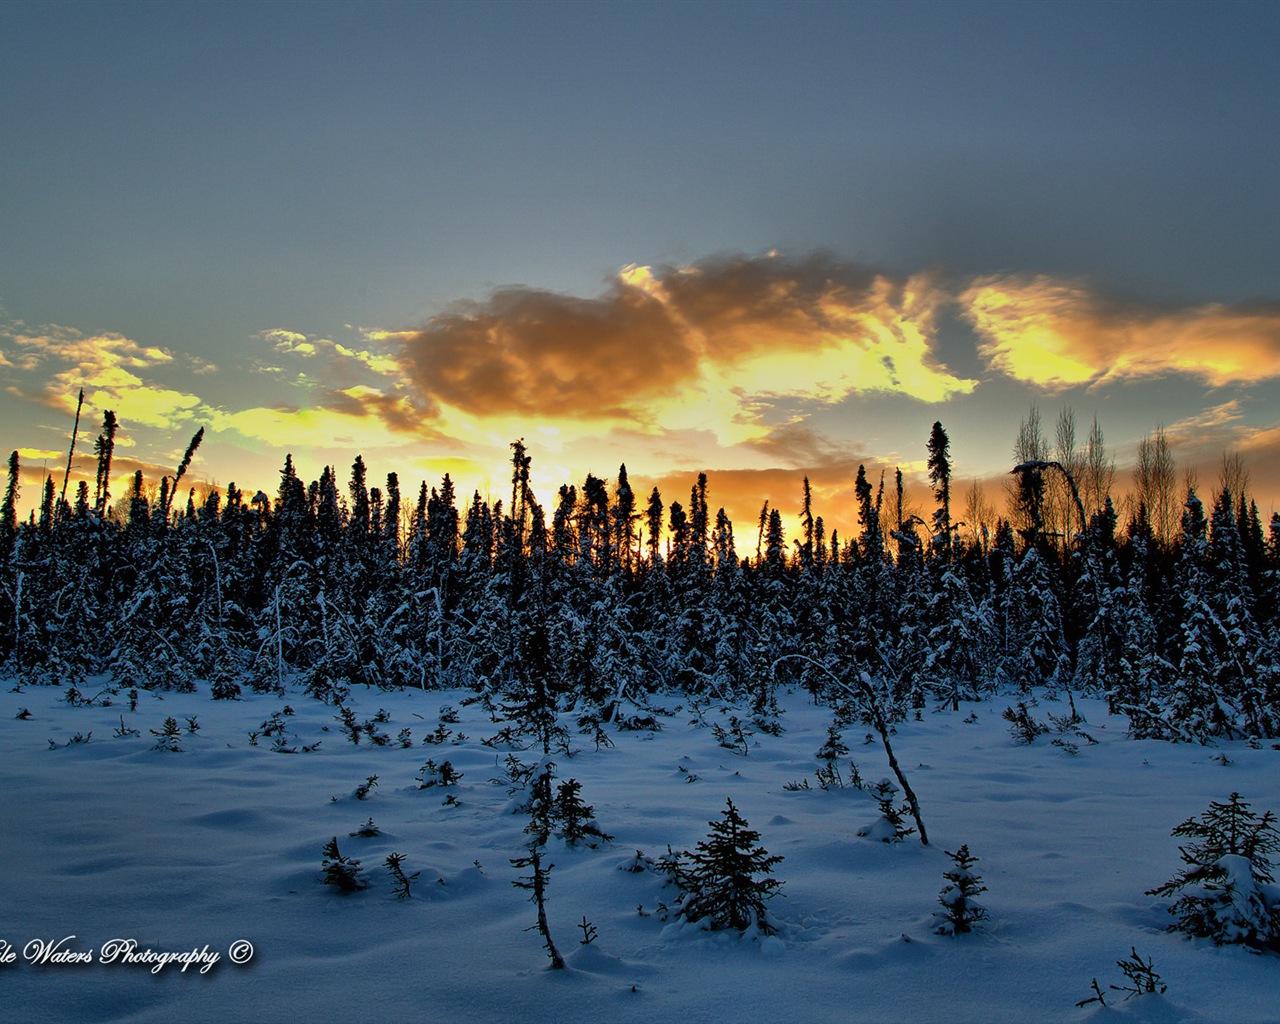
column 798, row 445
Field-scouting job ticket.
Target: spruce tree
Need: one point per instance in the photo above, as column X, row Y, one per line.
column 1225, row 892
column 104, row 447
column 342, row 872
column 960, row 911
column 939, row 463
column 727, row 878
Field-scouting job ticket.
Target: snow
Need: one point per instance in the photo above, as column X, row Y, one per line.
column 113, row 839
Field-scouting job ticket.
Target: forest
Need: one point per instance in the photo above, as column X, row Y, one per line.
column 604, row 599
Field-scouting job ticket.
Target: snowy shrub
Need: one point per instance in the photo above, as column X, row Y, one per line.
column 440, row 735
column 960, row 911
column 834, row 748
column 326, row 682
column 340, row 871
column 443, row 774
column 541, row 810
column 403, row 883
column 726, row 880
column 122, row 731
column 362, row 791
column 734, row 738
column 507, row 736
column 167, row 736
column 591, row 725
column 828, row 774
column 1226, row 892
column 1024, row 728
column 891, row 826
column 637, row 865
column 222, row 683
column 347, row 719
column 576, row 820
column 1140, row 976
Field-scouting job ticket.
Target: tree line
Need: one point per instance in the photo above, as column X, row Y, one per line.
column 603, row 600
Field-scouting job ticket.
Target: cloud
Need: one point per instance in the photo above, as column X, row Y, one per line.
column 82, row 351
column 107, row 366
column 339, row 357
column 358, row 419
column 795, row 444
column 1210, row 425
column 1057, row 334
column 286, row 341
column 716, row 346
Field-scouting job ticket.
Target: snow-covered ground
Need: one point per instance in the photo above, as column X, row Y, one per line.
column 219, row 842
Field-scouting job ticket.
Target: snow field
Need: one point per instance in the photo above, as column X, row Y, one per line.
column 222, row 841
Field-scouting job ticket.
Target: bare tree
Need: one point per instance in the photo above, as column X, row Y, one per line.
column 1233, row 476
column 1029, row 446
column 979, row 515
column 1098, row 473
column 1154, row 478
column 1060, row 506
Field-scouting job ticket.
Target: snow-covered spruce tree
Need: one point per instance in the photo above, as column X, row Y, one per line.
column 1035, row 624
column 541, row 809
column 830, row 753
column 891, row 826
column 1099, row 605
column 1199, row 706
column 340, row 871
column 536, row 883
column 939, row 463
column 1141, row 672
column 957, row 634
column 576, row 819
column 726, row 880
column 1244, row 673
column 960, row 911
column 1226, row 892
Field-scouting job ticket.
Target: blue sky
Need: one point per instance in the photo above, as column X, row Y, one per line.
column 297, row 208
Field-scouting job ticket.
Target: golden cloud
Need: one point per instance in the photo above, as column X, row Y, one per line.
column 107, row 366
column 703, row 347
column 84, row 352
column 1057, row 334
column 308, row 346
column 353, row 420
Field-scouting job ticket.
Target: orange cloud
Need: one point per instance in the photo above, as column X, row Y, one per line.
column 710, row 346
column 1057, row 334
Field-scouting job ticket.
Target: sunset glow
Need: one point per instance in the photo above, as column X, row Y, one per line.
column 772, row 269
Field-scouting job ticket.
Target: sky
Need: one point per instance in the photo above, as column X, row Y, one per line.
column 761, row 241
